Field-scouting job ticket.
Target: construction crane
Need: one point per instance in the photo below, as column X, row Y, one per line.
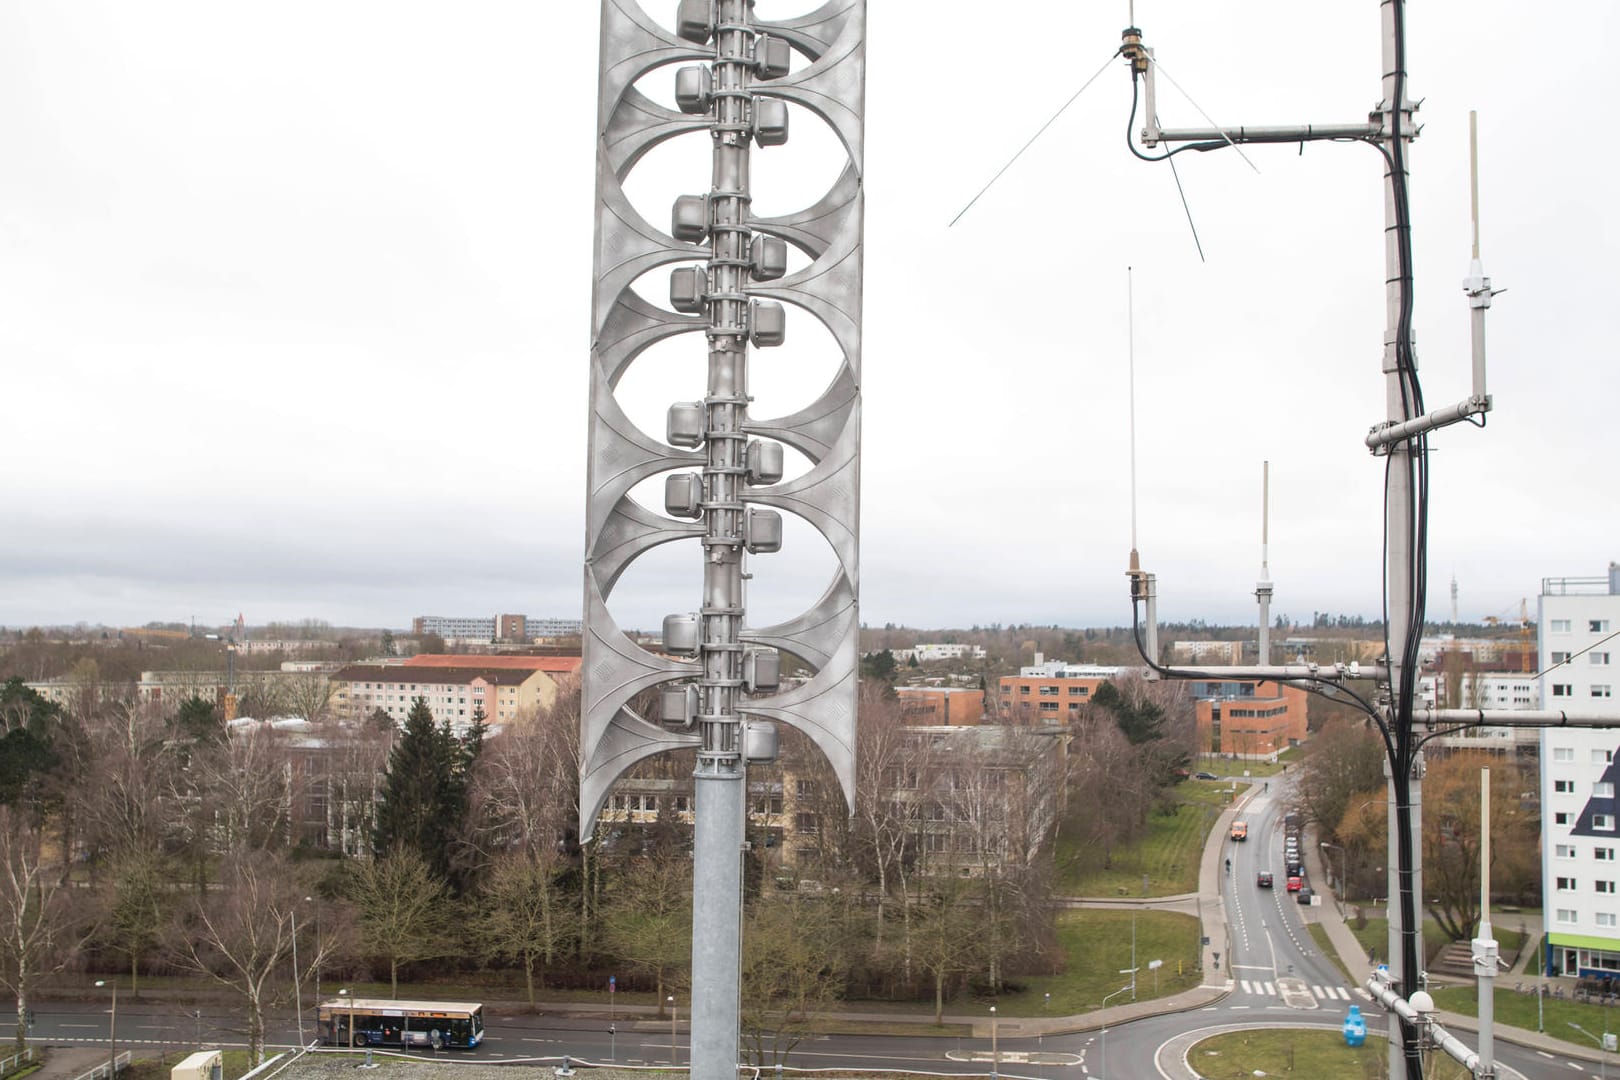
column 1526, row 643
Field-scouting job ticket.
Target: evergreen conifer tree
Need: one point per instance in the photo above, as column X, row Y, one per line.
column 419, row 805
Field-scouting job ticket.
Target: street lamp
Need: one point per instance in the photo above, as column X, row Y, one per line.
column 1103, row 1072
column 1604, row 1044
column 112, row 1028
column 311, row 900
column 344, row 993
column 671, row 1003
column 298, row 982
column 1343, row 872
column 995, row 1051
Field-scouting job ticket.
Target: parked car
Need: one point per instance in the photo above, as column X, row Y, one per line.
column 1263, row 879
column 1205, row 776
column 1305, row 894
column 1295, row 868
column 1295, row 883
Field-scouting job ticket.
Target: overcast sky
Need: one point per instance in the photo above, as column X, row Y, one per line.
column 294, row 311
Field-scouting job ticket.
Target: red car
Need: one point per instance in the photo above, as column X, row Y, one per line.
column 1294, row 883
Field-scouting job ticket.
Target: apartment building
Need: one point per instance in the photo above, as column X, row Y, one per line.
column 522, row 628
column 1049, row 692
column 1247, row 720
column 1578, row 622
column 941, row 706
column 455, row 687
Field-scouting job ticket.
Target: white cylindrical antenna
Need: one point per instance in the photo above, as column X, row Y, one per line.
column 1484, row 853
column 1130, row 345
column 1473, row 175
column 1265, row 520
column 1476, row 285
column 1262, row 590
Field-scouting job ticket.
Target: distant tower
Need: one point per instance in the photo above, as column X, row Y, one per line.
column 724, row 489
column 1454, row 602
column 1262, row 590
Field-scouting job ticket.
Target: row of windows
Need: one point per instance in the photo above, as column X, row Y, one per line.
column 1569, row 884
column 1569, row 917
column 1051, row 691
column 1567, row 753
column 1569, row 851
column 1596, row 659
column 1603, row 789
column 1593, row 626
column 1601, row 822
column 1599, row 690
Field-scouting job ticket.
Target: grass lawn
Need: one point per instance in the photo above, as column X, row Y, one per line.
column 1324, row 946
column 1519, row 1010
column 1097, row 947
column 1321, row 1055
column 1168, row 855
column 1374, row 937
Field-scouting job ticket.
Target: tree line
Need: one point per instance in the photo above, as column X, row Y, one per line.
column 140, row 837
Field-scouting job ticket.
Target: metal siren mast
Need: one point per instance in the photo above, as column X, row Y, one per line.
column 724, row 487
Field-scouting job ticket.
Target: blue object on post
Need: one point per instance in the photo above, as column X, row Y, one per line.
column 1355, row 1028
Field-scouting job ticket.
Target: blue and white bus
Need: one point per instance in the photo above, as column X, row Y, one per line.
column 380, row 1022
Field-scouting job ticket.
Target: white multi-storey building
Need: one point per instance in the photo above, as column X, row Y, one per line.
column 1579, row 623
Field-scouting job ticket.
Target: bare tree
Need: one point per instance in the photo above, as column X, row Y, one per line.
column 792, row 970
column 403, row 910
column 135, row 910
column 647, row 921
column 526, row 913
column 241, row 934
column 130, row 805
column 33, row 912
column 308, row 696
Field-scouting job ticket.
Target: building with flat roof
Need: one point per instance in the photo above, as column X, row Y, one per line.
column 454, row 691
column 1246, row 719
column 1578, row 628
column 522, row 628
column 941, row 706
column 1049, row 692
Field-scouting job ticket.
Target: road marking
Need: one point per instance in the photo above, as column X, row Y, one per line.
column 1270, row 989
column 80, row 1025
column 1544, row 1054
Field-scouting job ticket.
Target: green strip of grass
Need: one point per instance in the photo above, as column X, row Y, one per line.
column 1324, row 945
column 1167, row 856
column 1519, row 1010
column 1374, row 936
column 1096, row 947
column 1321, row 1055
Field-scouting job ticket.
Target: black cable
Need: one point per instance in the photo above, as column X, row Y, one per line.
column 1323, row 684
column 1130, row 125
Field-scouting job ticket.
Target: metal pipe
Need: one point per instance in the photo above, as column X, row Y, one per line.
column 1453, row 1047
column 1283, row 134
column 1390, row 434
column 1525, row 718
column 718, row 795
column 1283, row 672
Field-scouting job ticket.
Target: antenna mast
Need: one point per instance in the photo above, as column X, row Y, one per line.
column 1262, row 590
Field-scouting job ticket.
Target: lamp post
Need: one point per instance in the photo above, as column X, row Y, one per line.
column 298, row 981
column 344, row 993
column 995, row 1050
column 1102, row 1073
column 112, row 1028
column 1338, row 894
column 311, row 900
column 1602, row 1045
column 671, row 1003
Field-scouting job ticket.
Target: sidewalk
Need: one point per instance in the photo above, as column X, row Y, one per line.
column 1356, row 961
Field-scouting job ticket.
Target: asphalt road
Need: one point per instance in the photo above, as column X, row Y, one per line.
column 1277, row 979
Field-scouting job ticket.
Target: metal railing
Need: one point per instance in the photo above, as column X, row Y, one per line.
column 15, row 1060
column 106, row 1071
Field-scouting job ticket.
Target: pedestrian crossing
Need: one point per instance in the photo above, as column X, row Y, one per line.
column 1268, row 989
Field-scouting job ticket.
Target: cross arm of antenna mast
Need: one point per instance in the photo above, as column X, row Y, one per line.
column 1284, row 134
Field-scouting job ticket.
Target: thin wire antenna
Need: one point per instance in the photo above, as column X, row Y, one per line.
column 1218, row 129
column 1180, row 191
column 1130, row 352
column 1032, row 139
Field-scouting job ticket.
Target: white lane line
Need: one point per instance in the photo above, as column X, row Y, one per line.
column 1245, row 984
column 1544, row 1054
column 80, row 1025
column 1270, row 989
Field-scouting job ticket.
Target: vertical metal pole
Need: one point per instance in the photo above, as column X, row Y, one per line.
column 1398, row 520
column 1485, row 944
column 718, row 796
column 298, row 997
column 1262, row 591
